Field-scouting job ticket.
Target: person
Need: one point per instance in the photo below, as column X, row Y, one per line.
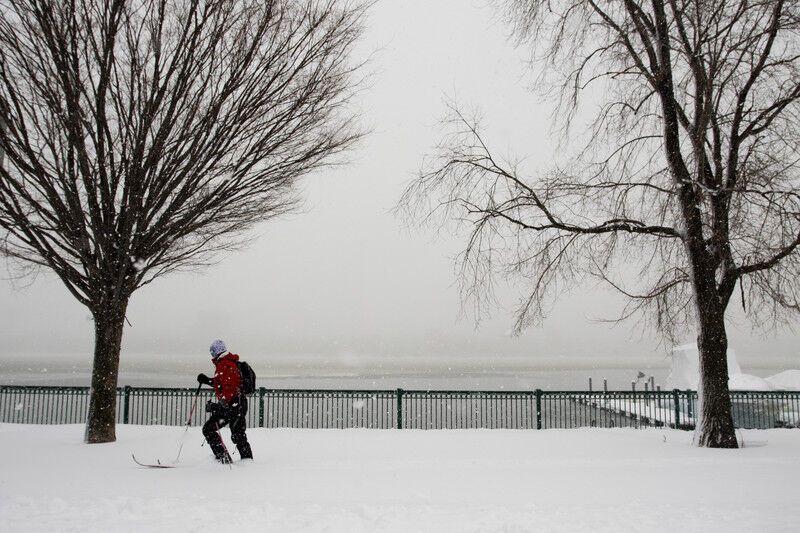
column 230, row 407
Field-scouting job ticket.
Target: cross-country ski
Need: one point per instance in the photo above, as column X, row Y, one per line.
column 157, row 464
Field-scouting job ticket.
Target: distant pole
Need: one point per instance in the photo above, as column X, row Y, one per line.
column 605, row 385
column 590, row 384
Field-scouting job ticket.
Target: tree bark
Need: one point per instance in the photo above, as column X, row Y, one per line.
column 109, row 321
column 714, row 427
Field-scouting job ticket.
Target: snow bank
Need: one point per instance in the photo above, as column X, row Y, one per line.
column 685, row 373
column 391, row 481
column 748, row 382
column 787, row 380
column 685, row 367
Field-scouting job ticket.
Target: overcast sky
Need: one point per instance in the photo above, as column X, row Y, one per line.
column 343, row 280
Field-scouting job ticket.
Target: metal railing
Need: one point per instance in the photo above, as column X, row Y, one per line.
column 413, row 409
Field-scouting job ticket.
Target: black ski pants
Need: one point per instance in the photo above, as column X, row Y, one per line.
column 234, row 415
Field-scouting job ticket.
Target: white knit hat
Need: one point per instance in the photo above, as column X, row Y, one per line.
column 217, row 348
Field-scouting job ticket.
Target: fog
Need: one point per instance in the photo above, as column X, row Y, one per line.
column 343, row 283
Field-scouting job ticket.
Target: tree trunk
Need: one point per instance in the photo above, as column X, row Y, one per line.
column 714, row 427
column 109, row 321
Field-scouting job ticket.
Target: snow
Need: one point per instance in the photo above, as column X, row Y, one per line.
column 648, row 409
column 399, row 480
column 685, row 366
column 787, row 380
column 748, row 382
column 685, row 373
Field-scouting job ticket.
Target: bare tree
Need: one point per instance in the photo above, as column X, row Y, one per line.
column 144, row 136
column 690, row 173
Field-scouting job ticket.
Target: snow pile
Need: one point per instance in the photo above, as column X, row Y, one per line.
column 397, row 481
column 787, row 380
column 748, row 382
column 685, row 369
column 685, row 373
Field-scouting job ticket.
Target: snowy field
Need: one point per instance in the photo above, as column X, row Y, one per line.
column 400, row 481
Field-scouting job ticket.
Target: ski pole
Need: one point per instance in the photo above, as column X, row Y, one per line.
column 222, row 441
column 188, row 421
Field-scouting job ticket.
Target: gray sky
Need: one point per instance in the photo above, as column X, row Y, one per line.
column 342, row 281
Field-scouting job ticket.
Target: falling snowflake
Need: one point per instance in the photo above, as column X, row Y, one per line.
column 139, row 263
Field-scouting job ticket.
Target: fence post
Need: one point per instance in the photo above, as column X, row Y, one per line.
column 688, row 404
column 261, row 392
column 676, row 401
column 399, row 408
column 126, row 400
column 538, row 408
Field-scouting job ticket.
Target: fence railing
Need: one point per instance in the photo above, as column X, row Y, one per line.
column 413, row 409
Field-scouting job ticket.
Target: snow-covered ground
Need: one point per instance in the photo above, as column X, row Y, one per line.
column 388, row 480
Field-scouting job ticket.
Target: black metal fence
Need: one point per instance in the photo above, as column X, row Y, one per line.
column 413, row 409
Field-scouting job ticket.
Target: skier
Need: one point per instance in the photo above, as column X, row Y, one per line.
column 231, row 405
